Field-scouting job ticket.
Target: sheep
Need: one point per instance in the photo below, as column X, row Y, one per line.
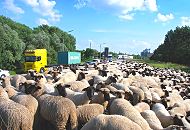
column 110, row 122
column 16, row 80
column 26, row 100
column 124, row 108
column 177, row 111
column 185, row 104
column 142, row 106
column 59, row 111
column 102, row 96
column 13, row 116
column 87, row 112
column 152, row 119
column 163, row 115
column 78, row 86
column 78, row 98
column 82, row 98
column 147, row 93
column 138, row 94
column 67, row 77
column 6, row 82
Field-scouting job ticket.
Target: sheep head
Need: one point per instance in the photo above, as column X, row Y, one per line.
column 90, row 92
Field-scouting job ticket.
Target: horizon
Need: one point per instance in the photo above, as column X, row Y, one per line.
column 123, row 25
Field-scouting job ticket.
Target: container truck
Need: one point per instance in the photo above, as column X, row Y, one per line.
column 37, row 59
column 68, row 58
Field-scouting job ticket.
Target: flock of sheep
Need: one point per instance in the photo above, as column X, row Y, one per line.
column 111, row 96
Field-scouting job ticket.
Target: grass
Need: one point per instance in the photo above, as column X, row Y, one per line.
column 158, row 64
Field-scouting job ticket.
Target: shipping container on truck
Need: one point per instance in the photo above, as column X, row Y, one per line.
column 69, row 58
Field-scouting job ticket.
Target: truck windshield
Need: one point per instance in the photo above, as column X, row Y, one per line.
column 30, row 58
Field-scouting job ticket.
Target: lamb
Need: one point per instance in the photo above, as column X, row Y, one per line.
column 110, row 122
column 124, row 108
column 87, row 112
column 152, row 119
column 13, row 116
column 59, row 111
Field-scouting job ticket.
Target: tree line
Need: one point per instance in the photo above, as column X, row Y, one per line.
column 15, row 38
column 176, row 47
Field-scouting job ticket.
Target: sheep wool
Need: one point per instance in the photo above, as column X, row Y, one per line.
column 13, row 116
column 152, row 119
column 87, row 112
column 111, row 122
column 124, row 108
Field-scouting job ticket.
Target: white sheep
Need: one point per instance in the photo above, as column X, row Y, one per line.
column 152, row 119
column 163, row 115
column 87, row 112
column 58, row 110
column 124, row 108
column 16, row 80
column 13, row 116
column 111, row 122
column 26, row 100
column 142, row 106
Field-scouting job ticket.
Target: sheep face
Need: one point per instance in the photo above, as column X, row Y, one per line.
column 32, row 89
column 177, row 120
column 90, row 92
column 61, row 89
column 81, row 76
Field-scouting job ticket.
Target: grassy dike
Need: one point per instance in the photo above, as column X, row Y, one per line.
column 159, row 64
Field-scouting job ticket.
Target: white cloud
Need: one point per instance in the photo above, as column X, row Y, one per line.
column 126, row 16
column 9, row 5
column 122, row 8
column 185, row 21
column 164, row 18
column 151, row 4
column 42, row 22
column 45, row 8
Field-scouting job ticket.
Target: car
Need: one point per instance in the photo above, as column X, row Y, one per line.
column 4, row 73
column 91, row 63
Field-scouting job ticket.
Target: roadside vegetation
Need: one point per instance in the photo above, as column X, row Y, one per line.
column 159, row 64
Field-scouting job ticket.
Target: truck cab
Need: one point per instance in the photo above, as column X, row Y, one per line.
column 35, row 59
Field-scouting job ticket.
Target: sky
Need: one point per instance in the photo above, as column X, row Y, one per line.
column 127, row 26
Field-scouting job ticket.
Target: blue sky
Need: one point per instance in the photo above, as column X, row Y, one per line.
column 128, row 26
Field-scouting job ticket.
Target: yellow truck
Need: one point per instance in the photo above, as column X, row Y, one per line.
column 35, row 59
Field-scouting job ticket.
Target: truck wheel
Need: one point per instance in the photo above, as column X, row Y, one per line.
column 42, row 70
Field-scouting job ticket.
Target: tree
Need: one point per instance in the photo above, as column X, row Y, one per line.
column 11, row 47
column 176, row 47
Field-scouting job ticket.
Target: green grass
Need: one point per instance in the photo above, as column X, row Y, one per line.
column 158, row 64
